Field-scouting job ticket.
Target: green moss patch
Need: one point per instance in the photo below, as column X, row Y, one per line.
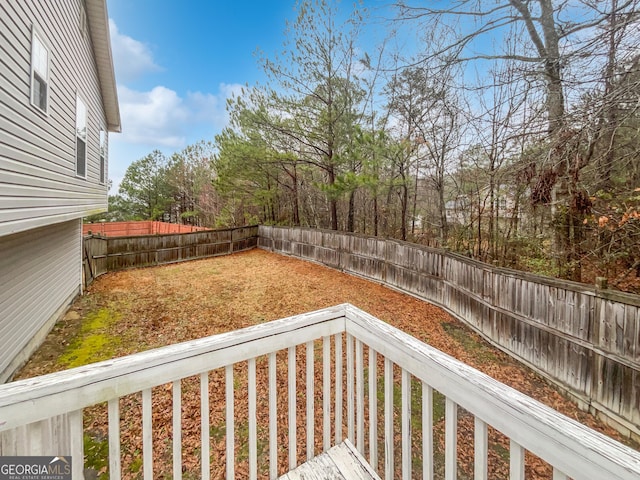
column 93, row 343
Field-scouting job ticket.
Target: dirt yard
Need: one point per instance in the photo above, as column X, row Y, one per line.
column 135, row 310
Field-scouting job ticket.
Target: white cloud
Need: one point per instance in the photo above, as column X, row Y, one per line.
column 161, row 118
column 231, row 89
column 154, row 118
column 131, row 58
column 208, row 107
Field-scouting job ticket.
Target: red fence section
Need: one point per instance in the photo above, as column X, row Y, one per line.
column 128, row 229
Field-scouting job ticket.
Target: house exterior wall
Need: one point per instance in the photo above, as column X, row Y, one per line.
column 40, row 274
column 38, row 181
column 52, row 53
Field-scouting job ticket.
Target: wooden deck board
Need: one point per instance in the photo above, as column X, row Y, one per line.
column 342, row 462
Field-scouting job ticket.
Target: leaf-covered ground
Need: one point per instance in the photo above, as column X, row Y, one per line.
column 135, row 310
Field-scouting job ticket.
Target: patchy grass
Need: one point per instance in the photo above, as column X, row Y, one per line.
column 96, row 454
column 471, row 342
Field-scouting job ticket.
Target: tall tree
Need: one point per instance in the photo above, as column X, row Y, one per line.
column 144, row 187
column 427, row 113
column 316, row 93
column 555, row 49
column 190, row 175
column 409, row 101
column 499, row 130
column 246, row 178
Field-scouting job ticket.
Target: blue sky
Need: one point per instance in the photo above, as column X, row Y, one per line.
column 176, row 64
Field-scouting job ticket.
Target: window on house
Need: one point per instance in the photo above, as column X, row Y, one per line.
column 103, row 156
column 81, row 138
column 39, row 73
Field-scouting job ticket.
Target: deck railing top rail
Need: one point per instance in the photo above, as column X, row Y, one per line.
column 38, row 398
column 572, row 449
column 569, row 446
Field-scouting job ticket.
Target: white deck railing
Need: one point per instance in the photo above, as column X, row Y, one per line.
column 359, row 359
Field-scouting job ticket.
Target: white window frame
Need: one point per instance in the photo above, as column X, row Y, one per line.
column 103, row 156
column 82, row 117
column 39, row 70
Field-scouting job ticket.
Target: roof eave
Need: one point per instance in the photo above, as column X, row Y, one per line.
column 98, row 20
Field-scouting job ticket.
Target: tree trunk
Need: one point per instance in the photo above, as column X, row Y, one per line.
column 415, row 200
column 561, row 197
column 351, row 213
column 610, row 120
column 296, row 205
column 375, row 215
column 444, row 227
column 333, row 203
column 405, row 204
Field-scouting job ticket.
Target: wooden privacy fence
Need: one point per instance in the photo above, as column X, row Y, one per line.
column 148, row 227
column 583, row 339
column 105, row 254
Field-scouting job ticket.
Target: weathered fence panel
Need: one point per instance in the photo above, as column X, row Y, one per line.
column 103, row 254
column 128, row 229
column 244, row 238
column 584, row 339
column 94, row 258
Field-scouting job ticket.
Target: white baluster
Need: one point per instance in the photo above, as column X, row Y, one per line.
column 293, row 452
column 230, row 455
column 273, row 419
column 427, row 432
column 147, row 435
column 516, row 461
column 310, row 401
column 480, row 450
column 451, row 440
column 388, row 419
column 373, row 409
column 253, row 431
column 326, row 393
column 359, row 397
column 406, row 424
column 115, row 467
column 177, row 430
column 205, row 450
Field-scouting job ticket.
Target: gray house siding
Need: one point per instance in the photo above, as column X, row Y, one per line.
column 40, row 274
column 38, row 182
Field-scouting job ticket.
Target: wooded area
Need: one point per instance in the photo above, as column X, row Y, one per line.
column 507, row 132
column 581, row 338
